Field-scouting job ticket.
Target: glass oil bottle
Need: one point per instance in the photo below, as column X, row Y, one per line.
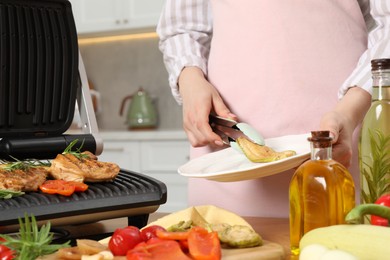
column 321, row 191
column 374, row 142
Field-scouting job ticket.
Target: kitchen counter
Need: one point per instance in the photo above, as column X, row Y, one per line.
column 271, row 229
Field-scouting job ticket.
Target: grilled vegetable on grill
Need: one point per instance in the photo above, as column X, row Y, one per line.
column 62, row 187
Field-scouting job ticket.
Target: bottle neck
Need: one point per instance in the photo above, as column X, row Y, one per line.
column 321, row 152
column 381, row 85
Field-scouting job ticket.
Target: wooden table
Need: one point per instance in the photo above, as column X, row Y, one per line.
column 272, row 229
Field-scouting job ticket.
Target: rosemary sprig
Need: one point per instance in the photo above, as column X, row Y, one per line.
column 23, row 164
column 7, row 194
column 376, row 172
column 32, row 242
column 77, row 153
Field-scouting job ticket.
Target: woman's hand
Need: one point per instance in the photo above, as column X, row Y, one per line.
column 199, row 99
column 342, row 121
column 341, row 130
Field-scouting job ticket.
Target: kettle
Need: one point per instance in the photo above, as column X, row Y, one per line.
column 141, row 113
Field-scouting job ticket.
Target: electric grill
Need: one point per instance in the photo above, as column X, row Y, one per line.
column 42, row 79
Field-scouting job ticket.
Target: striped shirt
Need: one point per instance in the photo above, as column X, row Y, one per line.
column 185, row 31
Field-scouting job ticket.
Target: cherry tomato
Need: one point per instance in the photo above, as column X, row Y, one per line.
column 124, row 239
column 7, row 255
column 149, row 232
column 5, row 252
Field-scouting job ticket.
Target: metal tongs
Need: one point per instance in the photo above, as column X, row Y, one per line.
column 229, row 130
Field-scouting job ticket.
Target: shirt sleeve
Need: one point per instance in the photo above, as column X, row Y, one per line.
column 378, row 46
column 185, row 31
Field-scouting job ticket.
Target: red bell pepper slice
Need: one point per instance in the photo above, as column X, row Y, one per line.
column 157, row 249
column 169, row 235
column 204, row 245
column 62, row 187
column 378, row 221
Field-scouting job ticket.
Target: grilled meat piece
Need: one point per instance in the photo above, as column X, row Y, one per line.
column 86, row 168
column 23, row 180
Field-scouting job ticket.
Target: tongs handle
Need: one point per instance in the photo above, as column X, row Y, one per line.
column 214, row 119
column 225, row 128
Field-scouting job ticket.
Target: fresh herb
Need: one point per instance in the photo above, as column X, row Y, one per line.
column 77, row 153
column 23, row 165
column 376, row 174
column 31, row 242
column 7, row 194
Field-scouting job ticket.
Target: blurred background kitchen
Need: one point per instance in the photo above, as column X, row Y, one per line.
column 119, row 46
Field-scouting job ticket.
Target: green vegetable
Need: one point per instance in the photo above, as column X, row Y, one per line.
column 239, row 236
column 31, row 242
column 181, row 226
column 7, row 194
column 356, row 215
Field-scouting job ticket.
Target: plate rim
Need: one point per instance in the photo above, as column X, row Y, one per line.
column 234, row 175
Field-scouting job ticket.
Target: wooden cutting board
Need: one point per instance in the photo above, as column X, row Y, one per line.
column 268, row 251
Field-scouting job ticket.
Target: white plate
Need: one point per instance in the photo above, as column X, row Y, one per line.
column 230, row 165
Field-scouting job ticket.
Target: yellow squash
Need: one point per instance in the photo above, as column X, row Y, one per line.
column 363, row 241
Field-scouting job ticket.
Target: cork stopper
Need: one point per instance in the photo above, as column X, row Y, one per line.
column 380, row 64
column 320, row 139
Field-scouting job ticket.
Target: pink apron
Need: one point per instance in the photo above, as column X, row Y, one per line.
column 278, row 65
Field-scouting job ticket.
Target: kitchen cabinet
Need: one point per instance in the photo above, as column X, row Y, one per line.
column 154, row 153
column 96, row 16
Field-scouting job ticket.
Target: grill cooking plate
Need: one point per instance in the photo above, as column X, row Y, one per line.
column 130, row 194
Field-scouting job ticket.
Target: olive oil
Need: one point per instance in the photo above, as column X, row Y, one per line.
column 374, row 142
column 322, row 191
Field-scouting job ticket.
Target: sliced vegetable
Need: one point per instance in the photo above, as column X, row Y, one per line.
column 356, row 215
column 124, row 239
column 90, row 247
column 239, row 236
column 157, row 249
column 79, row 186
column 377, row 220
column 62, row 187
column 57, row 187
column 204, row 245
column 178, row 235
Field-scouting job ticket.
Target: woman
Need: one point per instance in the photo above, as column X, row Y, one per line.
column 275, row 65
